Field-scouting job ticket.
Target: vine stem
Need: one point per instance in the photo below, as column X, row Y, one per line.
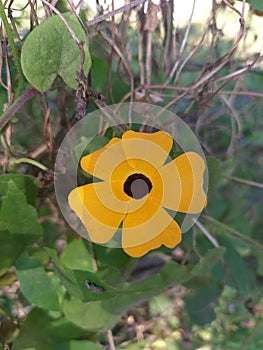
column 6, row 117
column 14, row 50
column 30, row 161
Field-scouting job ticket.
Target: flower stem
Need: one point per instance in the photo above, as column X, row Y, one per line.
column 14, row 50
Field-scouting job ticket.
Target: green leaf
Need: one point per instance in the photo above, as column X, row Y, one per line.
column 76, row 256
column 237, row 274
column 10, row 249
column 65, row 275
column 257, row 4
column 200, row 302
column 77, row 281
column 19, row 216
column 106, row 312
column 49, row 51
column 206, row 264
column 36, row 286
column 93, row 316
column 33, row 333
column 25, row 183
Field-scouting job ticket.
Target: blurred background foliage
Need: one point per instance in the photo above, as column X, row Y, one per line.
column 203, row 61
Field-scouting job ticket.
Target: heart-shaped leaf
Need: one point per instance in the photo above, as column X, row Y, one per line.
column 49, row 51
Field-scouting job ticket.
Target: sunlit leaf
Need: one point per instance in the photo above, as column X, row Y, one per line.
column 19, row 216
column 35, row 284
column 49, row 51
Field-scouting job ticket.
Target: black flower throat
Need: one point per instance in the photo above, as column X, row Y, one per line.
column 137, row 186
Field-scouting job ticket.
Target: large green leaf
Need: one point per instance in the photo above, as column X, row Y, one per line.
column 25, row 183
column 19, row 216
column 99, row 315
column 49, row 51
column 35, row 284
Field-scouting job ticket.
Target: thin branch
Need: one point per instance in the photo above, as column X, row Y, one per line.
column 148, row 62
column 118, row 52
column 110, row 340
column 254, row 244
column 113, row 13
column 207, row 234
column 222, row 61
column 182, row 45
column 244, row 181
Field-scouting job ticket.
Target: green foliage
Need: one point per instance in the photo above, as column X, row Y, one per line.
column 257, row 4
column 35, row 284
column 50, row 50
column 19, row 216
column 59, row 291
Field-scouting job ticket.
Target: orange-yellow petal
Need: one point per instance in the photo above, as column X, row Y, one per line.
column 169, row 237
column 140, row 227
column 153, row 148
column 102, row 162
column 100, row 221
column 183, row 180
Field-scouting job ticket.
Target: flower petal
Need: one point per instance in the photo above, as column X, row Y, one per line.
column 102, row 162
column 183, row 180
column 100, row 220
column 170, row 236
column 145, row 224
column 153, row 148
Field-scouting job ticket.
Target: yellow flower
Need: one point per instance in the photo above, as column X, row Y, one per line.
column 137, row 185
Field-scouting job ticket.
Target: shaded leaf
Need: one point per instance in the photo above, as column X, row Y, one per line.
column 207, row 263
column 41, row 332
column 200, row 302
column 237, row 274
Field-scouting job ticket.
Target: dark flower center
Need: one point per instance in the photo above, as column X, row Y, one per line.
column 137, row 186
